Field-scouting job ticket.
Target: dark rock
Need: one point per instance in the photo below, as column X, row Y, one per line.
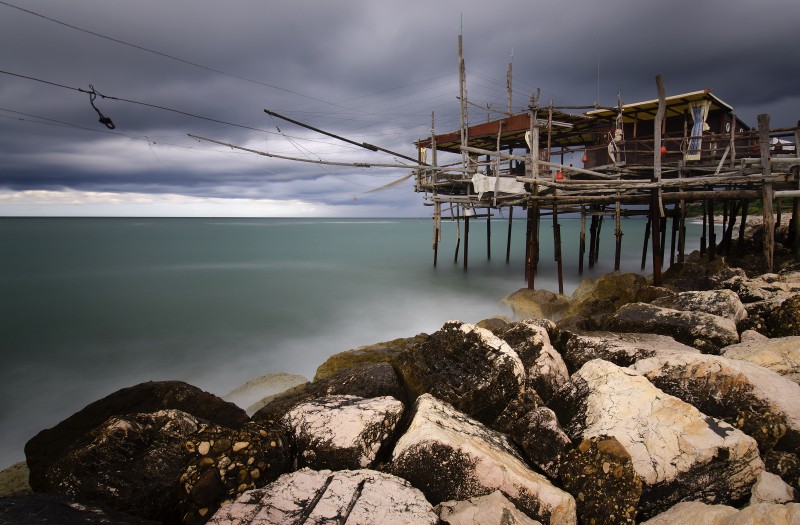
column 41, row 509
column 385, row 352
column 223, row 463
column 47, row 446
column 466, row 366
column 785, row 319
column 694, row 275
column 757, row 315
column 723, row 303
column 342, row 432
column 493, row 324
column 622, row 349
column 598, row 299
column 365, row 497
column 706, row 332
column 129, row 463
column 529, row 304
column 542, row 439
column 516, row 410
column 363, row 379
column 784, row 464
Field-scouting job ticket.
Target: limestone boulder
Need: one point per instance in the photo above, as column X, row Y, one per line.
column 600, row 298
column 482, row 510
column 384, row 352
column 784, row 320
column 698, row 513
column 770, row 488
column 760, row 402
column 723, row 303
column 706, row 332
column 526, row 304
column 342, row 432
column 450, row 456
column 129, row 463
column 349, row 497
column 222, row 463
column 49, row 445
column 545, row 368
column 622, row 349
column 466, row 366
column 781, row 355
column 677, row 452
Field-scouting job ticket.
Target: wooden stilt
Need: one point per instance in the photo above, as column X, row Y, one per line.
column 663, row 243
column 646, row 240
column 435, row 246
column 712, row 236
column 592, row 239
column 582, row 247
column 466, row 239
column 766, row 192
column 597, row 238
column 796, row 203
column 618, row 235
column 705, row 225
column 676, row 224
column 682, row 232
column 743, row 225
column 655, row 224
column 557, row 249
column 508, row 238
column 488, row 234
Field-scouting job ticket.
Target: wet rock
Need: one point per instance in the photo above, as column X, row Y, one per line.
column 35, row 508
column 493, row 324
column 450, row 456
column 544, row 367
column 677, row 452
column 694, row 275
column 342, row 432
column 516, row 410
column 385, row 352
column 542, row 439
column 770, row 488
column 600, row 298
column 526, row 304
column 466, row 366
column 223, row 463
column 697, row 513
column 364, row 497
column 785, row 319
column 781, row 355
column 622, row 349
column 723, row 303
column 47, row 446
column 757, row 315
column 760, row 402
column 706, row 332
column 480, row 510
column 129, row 463
column 784, row 464
column 366, row 379
column 599, row 473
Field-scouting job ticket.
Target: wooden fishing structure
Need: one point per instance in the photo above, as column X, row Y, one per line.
column 652, row 158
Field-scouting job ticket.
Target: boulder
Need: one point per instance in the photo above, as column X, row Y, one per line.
column 785, row 319
column 676, row 451
column 342, row 432
column 466, row 366
column 695, row 275
column 47, row 446
column 770, row 488
column 697, row 513
column 493, row 324
column 622, row 349
column 545, row 368
column 363, row 497
column 542, row 439
column 723, row 303
column 600, row 298
column 757, row 315
column 760, row 402
column 706, row 332
column 526, row 304
column 385, row 352
column 751, row 335
column 36, row 508
column 222, row 463
column 781, row 355
column 784, row 464
column 365, row 379
column 450, row 456
column 129, row 463
column 14, row 480
column 481, row 510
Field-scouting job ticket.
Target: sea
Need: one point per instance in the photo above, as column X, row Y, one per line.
column 92, row 305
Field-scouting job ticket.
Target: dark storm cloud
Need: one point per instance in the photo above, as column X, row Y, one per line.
column 372, row 71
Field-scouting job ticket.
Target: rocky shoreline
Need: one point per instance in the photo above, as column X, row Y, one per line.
column 625, row 403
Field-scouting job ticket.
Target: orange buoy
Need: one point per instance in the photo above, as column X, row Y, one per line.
column 559, row 176
column 585, row 158
column 663, row 150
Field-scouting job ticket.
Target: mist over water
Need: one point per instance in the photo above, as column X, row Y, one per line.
column 88, row 306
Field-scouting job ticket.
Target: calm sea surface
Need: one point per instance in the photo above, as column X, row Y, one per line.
column 88, row 306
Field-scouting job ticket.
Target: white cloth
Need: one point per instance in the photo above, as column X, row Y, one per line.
column 484, row 183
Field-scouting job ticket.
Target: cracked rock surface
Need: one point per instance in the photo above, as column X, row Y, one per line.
column 781, row 355
column 482, row 510
column 698, row 513
column 622, row 349
column 724, row 303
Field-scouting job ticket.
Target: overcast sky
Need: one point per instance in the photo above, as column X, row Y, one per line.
column 369, row 70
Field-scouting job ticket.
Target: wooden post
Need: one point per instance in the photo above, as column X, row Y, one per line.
column 466, row 237
column 592, row 240
column 488, row 234
column 618, row 235
column 733, row 141
column 767, row 192
column 705, row 225
column 743, row 225
column 597, row 238
column 682, row 222
column 646, row 239
column 796, row 201
column 437, row 217
column 656, row 207
column 582, row 242
column 674, row 233
column 508, row 238
column 712, row 236
column 655, row 223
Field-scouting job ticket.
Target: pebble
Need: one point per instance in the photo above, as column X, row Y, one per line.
column 239, row 445
column 203, row 448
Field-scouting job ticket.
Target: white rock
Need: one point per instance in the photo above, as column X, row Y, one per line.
column 694, row 513
column 622, row 349
column 723, row 303
column 770, row 488
column 450, row 456
column 359, row 497
column 482, row 510
column 781, row 354
column 342, row 432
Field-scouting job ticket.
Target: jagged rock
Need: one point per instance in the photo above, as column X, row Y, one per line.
column 385, row 352
column 541, row 437
column 482, row 510
column 770, row 488
column 697, row 513
column 677, row 452
column 599, row 472
column 622, row 349
column 750, row 336
column 466, row 366
column 49, row 445
column 223, row 463
column 449, row 456
column 600, row 298
column 694, row 275
column 757, row 315
column 36, row 508
column 526, row 304
column 784, row 464
column 545, row 368
column 129, row 463
column 760, row 402
column 781, row 355
column 342, row 432
column 516, row 410
column 363, row 497
column 493, row 324
column 706, row 332
column 723, row 303
column 785, row 319
column 366, row 379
